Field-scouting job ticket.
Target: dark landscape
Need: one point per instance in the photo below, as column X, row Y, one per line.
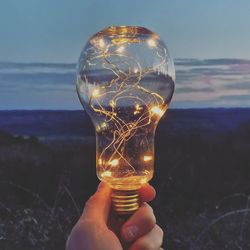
column 202, row 177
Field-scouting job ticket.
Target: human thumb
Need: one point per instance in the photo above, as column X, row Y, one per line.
column 98, row 205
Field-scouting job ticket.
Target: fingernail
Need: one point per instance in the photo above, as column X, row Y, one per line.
column 131, row 232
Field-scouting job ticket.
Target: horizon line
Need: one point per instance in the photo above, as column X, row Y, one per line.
column 178, row 58
column 82, row 110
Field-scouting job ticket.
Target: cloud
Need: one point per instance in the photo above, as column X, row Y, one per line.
column 212, row 82
column 209, row 62
column 12, row 67
column 192, row 90
column 36, row 81
column 235, row 98
column 199, row 83
column 239, row 85
column 36, row 77
column 37, row 86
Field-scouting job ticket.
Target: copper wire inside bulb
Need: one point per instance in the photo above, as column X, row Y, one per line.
column 125, row 82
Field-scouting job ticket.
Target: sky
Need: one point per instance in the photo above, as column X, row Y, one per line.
column 56, row 30
column 53, row 31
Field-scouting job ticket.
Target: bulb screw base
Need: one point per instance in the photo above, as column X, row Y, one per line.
column 125, row 202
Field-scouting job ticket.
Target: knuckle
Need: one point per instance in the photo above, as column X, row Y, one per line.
column 150, row 219
column 148, row 207
column 149, row 215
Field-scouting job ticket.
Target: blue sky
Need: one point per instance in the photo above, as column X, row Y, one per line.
column 56, row 30
column 53, row 31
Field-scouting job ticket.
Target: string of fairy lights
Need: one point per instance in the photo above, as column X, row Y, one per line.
column 124, row 85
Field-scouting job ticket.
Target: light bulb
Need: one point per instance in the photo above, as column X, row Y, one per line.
column 125, row 81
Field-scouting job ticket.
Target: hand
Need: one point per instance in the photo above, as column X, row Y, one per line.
column 93, row 230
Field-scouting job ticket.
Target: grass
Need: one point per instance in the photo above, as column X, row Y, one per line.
column 202, row 184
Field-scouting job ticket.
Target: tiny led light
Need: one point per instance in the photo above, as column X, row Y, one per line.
column 138, row 108
column 120, row 49
column 106, row 174
column 147, row 157
column 114, row 162
column 95, row 92
column 104, row 125
column 156, row 110
column 151, row 43
column 135, row 70
column 101, row 43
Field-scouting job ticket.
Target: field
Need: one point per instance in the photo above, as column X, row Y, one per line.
column 202, row 173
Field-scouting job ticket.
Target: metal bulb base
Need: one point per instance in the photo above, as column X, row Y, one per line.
column 125, row 202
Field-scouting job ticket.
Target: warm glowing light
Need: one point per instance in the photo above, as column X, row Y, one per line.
column 101, row 43
column 147, row 157
column 112, row 104
column 104, row 125
column 151, row 43
column 114, row 162
column 156, row 110
column 106, row 174
column 138, row 108
column 120, row 49
column 95, row 93
column 125, row 84
column 143, row 180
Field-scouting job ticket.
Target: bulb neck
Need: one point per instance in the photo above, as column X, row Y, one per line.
column 125, row 202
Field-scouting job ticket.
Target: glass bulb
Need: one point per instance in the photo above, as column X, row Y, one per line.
column 125, row 82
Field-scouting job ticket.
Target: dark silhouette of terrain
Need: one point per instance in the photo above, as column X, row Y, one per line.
column 202, row 173
column 7, row 139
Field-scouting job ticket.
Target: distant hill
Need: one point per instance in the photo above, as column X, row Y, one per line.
column 47, row 124
column 76, row 124
column 7, row 138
